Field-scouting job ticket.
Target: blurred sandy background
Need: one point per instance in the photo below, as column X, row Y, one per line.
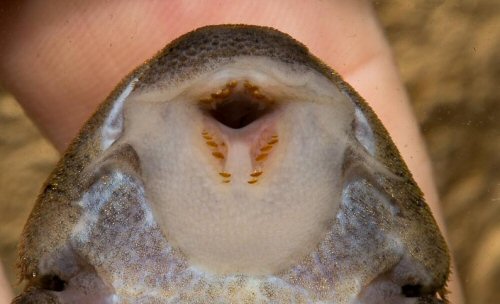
column 449, row 56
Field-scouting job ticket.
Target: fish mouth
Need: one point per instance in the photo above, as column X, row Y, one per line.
column 240, row 122
column 236, row 106
column 240, row 164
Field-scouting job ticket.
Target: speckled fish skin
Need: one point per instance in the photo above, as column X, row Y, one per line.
column 146, row 206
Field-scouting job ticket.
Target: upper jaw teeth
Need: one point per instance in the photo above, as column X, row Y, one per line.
column 251, row 92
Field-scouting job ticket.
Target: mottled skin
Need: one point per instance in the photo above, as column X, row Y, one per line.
column 50, row 257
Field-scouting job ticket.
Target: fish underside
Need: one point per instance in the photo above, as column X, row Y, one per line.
column 233, row 167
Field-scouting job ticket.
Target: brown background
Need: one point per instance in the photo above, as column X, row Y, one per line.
column 449, row 56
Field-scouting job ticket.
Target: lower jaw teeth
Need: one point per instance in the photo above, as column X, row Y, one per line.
column 259, row 151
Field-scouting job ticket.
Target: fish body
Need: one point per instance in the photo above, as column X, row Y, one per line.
column 233, row 167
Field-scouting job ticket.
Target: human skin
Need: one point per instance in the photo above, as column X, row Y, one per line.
column 61, row 58
column 5, row 292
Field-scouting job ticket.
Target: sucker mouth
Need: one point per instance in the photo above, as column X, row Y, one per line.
column 237, row 106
